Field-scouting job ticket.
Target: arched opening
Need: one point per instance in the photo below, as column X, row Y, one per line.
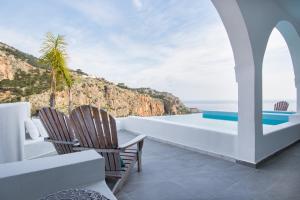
column 206, row 63
column 278, row 73
column 278, row 77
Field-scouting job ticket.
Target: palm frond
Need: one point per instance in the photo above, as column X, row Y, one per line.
column 54, row 54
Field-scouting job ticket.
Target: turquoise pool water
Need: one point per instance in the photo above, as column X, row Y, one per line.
column 269, row 117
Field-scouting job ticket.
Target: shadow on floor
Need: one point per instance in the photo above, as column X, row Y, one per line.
column 172, row 173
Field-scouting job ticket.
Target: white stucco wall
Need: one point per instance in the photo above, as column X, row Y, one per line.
column 12, row 131
column 216, row 143
column 209, row 141
column 277, row 139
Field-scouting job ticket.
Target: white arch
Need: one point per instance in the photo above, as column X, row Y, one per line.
column 248, row 34
column 277, row 70
column 292, row 38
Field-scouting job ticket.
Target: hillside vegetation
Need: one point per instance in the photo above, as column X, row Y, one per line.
column 24, row 78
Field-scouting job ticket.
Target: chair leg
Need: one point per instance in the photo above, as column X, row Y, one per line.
column 139, row 155
column 139, row 161
column 120, row 182
column 117, row 186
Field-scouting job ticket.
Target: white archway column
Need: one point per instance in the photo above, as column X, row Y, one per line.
column 249, row 79
column 297, row 85
column 250, row 106
column 298, row 98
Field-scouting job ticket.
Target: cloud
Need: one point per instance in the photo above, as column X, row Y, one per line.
column 137, row 3
column 99, row 11
column 201, row 67
column 19, row 40
column 182, row 61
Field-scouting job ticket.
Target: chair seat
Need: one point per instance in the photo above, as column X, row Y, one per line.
column 129, row 158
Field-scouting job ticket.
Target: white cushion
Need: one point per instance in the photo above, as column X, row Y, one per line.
column 31, row 129
column 40, row 127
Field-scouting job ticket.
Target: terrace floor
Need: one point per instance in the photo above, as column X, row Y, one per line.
column 172, row 173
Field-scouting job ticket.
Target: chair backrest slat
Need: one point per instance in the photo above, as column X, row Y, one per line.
column 86, row 129
column 90, row 125
column 113, row 130
column 95, row 128
column 47, row 124
column 65, row 131
column 281, row 106
column 58, row 127
column 79, row 128
column 114, row 159
column 100, row 136
column 106, row 130
column 53, row 134
column 99, row 128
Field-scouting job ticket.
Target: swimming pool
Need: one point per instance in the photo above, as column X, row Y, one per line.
column 268, row 117
column 197, row 121
column 225, row 122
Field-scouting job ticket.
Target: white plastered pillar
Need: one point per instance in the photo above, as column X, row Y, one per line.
column 249, row 105
column 249, row 79
column 245, row 75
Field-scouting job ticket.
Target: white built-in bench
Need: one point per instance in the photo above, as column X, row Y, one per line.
column 33, row 179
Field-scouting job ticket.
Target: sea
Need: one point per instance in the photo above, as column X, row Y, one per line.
column 232, row 105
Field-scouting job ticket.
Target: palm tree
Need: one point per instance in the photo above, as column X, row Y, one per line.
column 69, row 83
column 54, row 55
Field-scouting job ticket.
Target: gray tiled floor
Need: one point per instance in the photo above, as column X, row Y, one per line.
column 172, row 173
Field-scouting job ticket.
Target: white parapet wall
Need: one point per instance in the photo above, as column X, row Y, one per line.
column 216, row 142
column 191, row 137
column 12, row 130
column 278, row 138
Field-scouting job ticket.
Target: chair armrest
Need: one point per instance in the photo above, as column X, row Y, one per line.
column 75, row 142
column 78, row 148
column 132, row 142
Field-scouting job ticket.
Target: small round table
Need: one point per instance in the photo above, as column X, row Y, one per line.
column 75, row 194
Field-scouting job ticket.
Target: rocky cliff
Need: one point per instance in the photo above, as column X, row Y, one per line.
column 23, row 78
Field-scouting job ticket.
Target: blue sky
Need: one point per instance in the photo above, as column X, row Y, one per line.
column 178, row 46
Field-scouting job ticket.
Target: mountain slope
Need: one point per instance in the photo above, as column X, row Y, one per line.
column 23, row 78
